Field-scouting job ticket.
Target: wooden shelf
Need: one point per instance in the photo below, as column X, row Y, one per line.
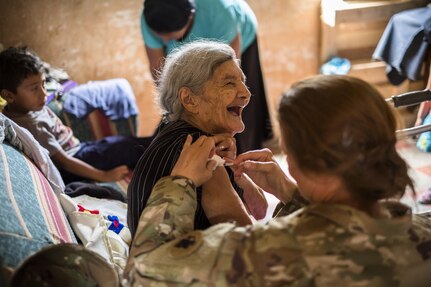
column 370, row 71
column 364, row 11
column 352, row 29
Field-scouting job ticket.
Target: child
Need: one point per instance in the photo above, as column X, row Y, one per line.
column 22, row 86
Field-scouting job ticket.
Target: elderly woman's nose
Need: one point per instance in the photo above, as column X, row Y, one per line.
column 243, row 91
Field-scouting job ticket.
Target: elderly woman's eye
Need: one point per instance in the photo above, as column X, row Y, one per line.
column 230, row 84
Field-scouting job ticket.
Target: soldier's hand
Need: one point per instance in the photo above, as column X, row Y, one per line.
column 264, row 170
column 259, row 165
column 194, row 162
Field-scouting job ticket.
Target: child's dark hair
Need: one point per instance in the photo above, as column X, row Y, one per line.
column 16, row 64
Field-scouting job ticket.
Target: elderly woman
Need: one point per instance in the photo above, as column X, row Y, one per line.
column 339, row 138
column 202, row 92
column 167, row 24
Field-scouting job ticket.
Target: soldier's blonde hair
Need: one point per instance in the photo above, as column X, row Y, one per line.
column 342, row 126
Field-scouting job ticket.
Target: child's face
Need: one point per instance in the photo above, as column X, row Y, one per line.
column 30, row 95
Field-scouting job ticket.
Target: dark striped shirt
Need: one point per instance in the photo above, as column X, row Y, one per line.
column 157, row 162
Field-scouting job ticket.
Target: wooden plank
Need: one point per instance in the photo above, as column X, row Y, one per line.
column 360, row 39
column 359, row 26
column 357, row 54
column 372, row 72
column 417, row 85
column 328, row 48
column 349, row 36
column 374, row 11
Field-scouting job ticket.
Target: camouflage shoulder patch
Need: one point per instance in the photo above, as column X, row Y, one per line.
column 186, row 244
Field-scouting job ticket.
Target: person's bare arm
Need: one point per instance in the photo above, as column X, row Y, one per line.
column 429, row 76
column 236, row 45
column 155, row 60
column 254, row 198
column 80, row 168
column 221, row 202
column 423, row 111
column 424, row 107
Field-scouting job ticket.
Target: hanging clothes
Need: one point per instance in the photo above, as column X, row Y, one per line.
column 404, row 44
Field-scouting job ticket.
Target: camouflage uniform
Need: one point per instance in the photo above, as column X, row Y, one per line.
column 318, row 245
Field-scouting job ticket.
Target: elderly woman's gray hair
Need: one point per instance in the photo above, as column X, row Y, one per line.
column 191, row 66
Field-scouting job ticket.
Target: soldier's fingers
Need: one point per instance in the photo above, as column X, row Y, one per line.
column 253, row 166
column 188, row 142
column 202, row 148
column 262, row 155
column 208, row 146
column 211, row 165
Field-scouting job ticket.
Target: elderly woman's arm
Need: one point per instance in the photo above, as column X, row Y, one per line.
column 254, row 197
column 254, row 200
column 221, row 202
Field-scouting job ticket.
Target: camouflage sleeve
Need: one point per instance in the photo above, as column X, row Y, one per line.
column 224, row 255
column 423, row 219
column 167, row 251
column 169, row 213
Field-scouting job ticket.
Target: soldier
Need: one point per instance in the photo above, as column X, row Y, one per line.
column 341, row 229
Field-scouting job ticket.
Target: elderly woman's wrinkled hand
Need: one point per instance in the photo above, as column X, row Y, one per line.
column 193, row 162
column 225, row 147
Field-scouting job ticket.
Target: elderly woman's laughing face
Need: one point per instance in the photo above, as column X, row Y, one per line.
column 218, row 109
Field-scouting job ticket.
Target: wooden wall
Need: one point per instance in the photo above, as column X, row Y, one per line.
column 96, row 40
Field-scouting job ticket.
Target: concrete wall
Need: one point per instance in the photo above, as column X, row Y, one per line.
column 100, row 39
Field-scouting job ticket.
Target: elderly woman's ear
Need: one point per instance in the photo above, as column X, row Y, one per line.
column 189, row 100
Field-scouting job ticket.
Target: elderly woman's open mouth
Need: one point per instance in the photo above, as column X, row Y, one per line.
column 235, row 110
